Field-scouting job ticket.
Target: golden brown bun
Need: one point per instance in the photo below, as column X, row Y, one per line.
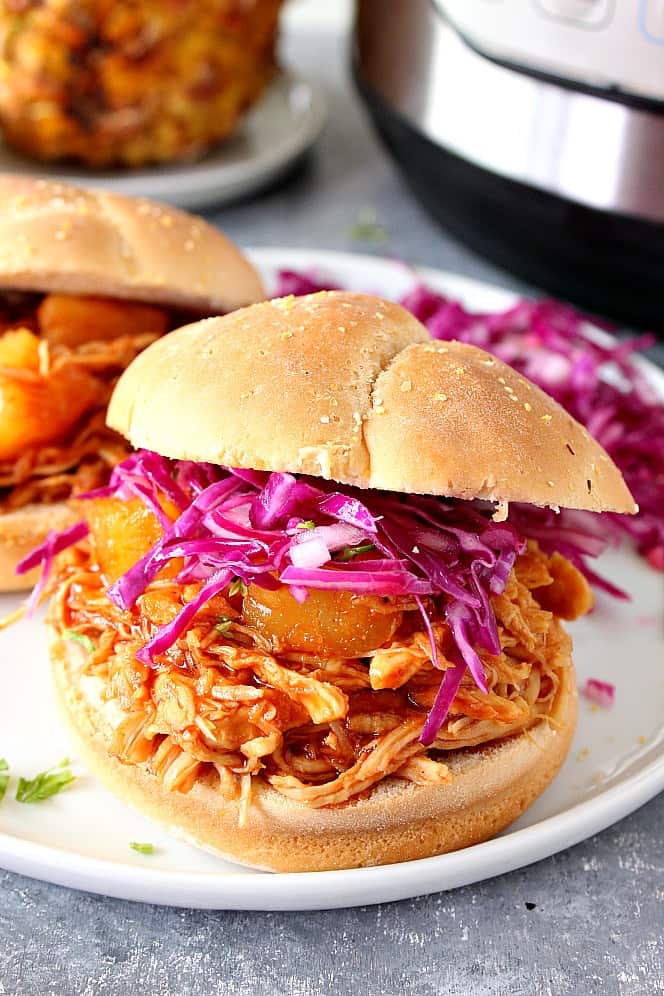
column 55, row 237
column 20, row 532
column 351, row 388
column 398, row 821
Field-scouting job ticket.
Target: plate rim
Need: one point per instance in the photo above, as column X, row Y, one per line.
column 243, row 889
column 382, row 883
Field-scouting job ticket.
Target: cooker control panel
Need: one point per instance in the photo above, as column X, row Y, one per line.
column 616, row 44
column 587, row 13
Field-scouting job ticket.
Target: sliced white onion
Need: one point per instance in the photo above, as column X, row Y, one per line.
column 335, row 536
column 311, row 553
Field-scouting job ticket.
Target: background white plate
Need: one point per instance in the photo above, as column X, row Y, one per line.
column 275, row 133
column 81, row 837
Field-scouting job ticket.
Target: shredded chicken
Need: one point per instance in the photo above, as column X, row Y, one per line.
column 57, row 472
column 318, row 731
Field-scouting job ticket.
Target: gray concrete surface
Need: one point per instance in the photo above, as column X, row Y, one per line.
column 595, row 930
column 588, row 921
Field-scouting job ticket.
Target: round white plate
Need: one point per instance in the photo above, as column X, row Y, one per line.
column 81, row 837
column 275, row 133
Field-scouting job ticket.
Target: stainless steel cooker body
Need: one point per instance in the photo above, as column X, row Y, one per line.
column 560, row 181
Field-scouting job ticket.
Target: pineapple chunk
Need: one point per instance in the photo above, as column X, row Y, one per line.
column 36, row 410
column 122, row 532
column 19, row 348
column 70, row 320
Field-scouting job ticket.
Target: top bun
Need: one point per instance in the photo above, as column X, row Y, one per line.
column 55, row 237
column 351, row 388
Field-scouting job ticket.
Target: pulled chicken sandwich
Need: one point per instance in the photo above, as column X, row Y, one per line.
column 315, row 621
column 87, row 280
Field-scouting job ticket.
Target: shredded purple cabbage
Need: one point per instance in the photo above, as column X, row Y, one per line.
column 256, row 528
column 44, row 555
column 267, row 529
column 259, row 531
column 598, row 383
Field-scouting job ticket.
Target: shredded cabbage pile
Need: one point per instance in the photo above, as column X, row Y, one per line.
column 598, row 383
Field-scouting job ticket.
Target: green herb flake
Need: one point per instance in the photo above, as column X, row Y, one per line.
column 141, row 848
column 46, row 783
column 237, row 587
column 224, row 624
column 85, row 641
column 349, row 552
column 306, row 524
column 366, row 227
column 4, row 777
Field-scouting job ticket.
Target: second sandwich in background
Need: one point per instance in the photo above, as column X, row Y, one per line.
column 87, row 281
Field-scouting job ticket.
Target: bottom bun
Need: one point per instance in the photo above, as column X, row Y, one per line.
column 20, row 532
column 398, row 821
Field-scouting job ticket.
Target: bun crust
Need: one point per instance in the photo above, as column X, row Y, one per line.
column 283, row 385
column 55, row 237
column 398, row 821
column 20, row 532
column 351, row 388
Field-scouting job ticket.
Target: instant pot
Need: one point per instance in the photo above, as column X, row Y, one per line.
column 534, row 130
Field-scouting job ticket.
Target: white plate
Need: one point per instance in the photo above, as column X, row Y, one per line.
column 275, row 133
column 81, row 837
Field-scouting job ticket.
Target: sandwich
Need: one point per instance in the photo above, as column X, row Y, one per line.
column 315, row 621
column 87, row 280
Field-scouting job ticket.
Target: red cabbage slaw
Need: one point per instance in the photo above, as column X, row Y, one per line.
column 44, row 555
column 270, row 528
column 554, row 346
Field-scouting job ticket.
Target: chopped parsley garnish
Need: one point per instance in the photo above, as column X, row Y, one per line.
column 46, row 783
column 349, row 552
column 237, row 587
column 366, row 227
column 141, row 848
column 306, row 524
column 85, row 641
column 4, row 777
column 224, row 624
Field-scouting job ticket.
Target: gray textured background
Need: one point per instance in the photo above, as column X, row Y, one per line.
column 596, row 927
